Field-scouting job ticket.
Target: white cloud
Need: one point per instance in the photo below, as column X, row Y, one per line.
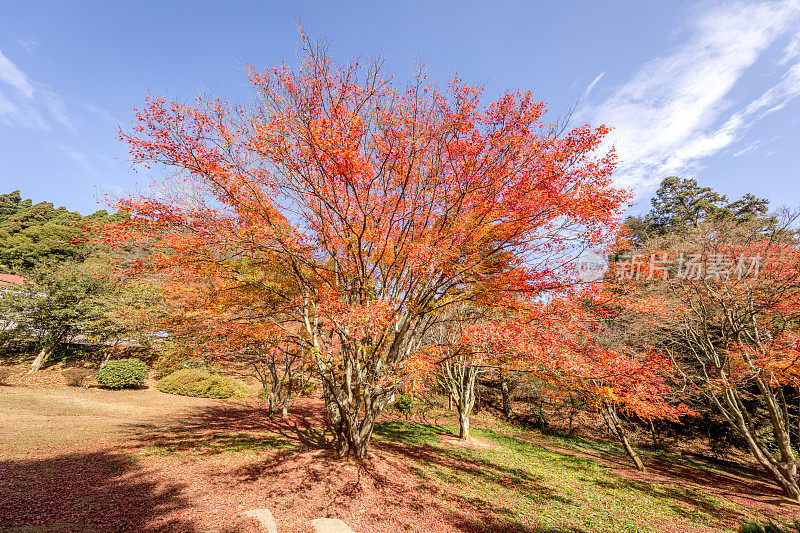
column 753, row 146
column 26, row 103
column 676, row 109
column 11, row 75
column 792, row 50
column 75, row 155
column 594, row 82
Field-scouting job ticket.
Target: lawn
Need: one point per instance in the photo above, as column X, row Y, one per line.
column 92, row 460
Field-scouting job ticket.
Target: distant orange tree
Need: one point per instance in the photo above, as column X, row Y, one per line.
column 569, row 344
column 723, row 299
column 347, row 215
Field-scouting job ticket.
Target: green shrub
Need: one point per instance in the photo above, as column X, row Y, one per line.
column 120, row 373
column 404, row 403
column 173, row 361
column 304, row 388
column 200, row 383
column 754, row 526
column 75, row 352
column 76, row 376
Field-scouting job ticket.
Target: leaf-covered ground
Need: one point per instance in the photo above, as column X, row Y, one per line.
column 76, row 459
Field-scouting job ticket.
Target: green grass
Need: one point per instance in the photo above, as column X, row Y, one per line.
column 537, row 489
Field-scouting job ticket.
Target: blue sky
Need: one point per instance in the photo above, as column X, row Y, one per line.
column 706, row 90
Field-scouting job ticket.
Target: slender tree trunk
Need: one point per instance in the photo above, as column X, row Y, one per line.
column 506, row 394
column 653, row 433
column 614, row 424
column 287, row 398
column 782, row 470
column 798, row 413
column 47, row 351
column 459, row 378
column 632, row 454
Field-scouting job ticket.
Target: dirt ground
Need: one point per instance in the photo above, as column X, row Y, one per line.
column 87, row 459
column 95, row 460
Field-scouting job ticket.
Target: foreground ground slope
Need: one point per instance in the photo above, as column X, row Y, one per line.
column 75, row 459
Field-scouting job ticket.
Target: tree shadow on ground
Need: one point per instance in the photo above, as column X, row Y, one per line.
column 296, row 465
column 456, row 467
column 233, row 427
column 82, row 492
column 691, row 479
column 742, row 482
column 333, row 487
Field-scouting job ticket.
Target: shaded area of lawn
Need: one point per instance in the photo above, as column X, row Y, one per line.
column 99, row 491
column 700, row 482
column 545, row 488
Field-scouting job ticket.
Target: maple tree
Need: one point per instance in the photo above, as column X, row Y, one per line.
column 724, row 301
column 569, row 344
column 449, row 359
column 351, row 214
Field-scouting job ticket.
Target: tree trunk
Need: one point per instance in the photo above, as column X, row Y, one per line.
column 506, row 394
column 782, row 470
column 463, row 426
column 572, row 410
column 47, row 351
column 459, row 377
column 351, row 435
column 614, row 424
column 653, row 433
column 632, row 454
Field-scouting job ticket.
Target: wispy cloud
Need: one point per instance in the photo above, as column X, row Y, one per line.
column 26, row 103
column 594, row 82
column 792, row 50
column 30, row 44
column 676, row 109
column 13, row 76
column 755, row 145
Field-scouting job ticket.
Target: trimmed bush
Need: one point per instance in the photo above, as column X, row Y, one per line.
column 76, row 376
column 200, row 383
column 121, row 373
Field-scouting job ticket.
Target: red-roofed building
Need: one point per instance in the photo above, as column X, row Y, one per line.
column 11, row 279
